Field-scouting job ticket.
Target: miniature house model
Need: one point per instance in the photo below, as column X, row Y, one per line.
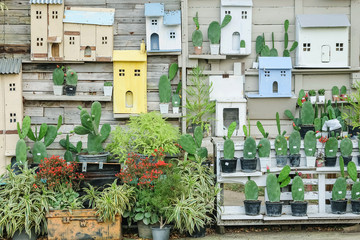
column 274, row 77
column 130, row 67
column 11, row 108
column 228, row 92
column 323, row 41
column 236, row 36
column 163, row 29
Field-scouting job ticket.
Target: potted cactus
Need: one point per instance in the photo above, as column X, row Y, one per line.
column 273, row 185
column 192, row 145
column 280, row 145
column 307, row 114
column 58, row 79
column 310, row 148
column 165, row 88
column 346, row 147
column 331, row 148
column 197, row 36
column 249, row 160
column 312, row 96
column 242, row 47
column 228, row 162
column 343, row 95
column 321, row 93
column 251, row 202
column 90, row 125
column 108, row 87
column 335, row 93
column 294, row 148
column 214, row 32
column 263, row 147
column 176, row 99
column 71, row 82
column 298, row 206
column 338, row 201
column 355, row 189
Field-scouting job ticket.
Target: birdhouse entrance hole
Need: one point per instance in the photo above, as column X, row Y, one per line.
column 129, row 99
column 230, row 115
column 55, row 50
column 275, row 87
column 154, row 39
column 87, row 52
column 236, row 41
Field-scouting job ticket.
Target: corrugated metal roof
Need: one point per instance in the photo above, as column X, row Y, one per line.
column 172, row 18
column 10, row 66
column 46, row 1
column 236, row 3
column 323, row 20
column 275, row 63
column 154, row 9
column 87, row 17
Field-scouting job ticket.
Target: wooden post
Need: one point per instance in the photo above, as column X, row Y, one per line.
column 184, row 55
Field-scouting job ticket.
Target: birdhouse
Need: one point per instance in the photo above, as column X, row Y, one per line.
column 47, row 29
column 130, row 67
column 274, row 77
column 323, row 41
column 11, row 108
column 236, row 36
column 163, row 29
column 228, row 92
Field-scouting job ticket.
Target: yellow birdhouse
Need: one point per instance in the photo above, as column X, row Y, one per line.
column 130, row 68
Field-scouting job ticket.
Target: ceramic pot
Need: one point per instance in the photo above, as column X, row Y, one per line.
column 108, row 91
column 58, row 90
column 164, row 108
column 214, row 49
column 198, row 50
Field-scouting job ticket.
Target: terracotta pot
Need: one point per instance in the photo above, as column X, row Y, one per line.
column 198, row 50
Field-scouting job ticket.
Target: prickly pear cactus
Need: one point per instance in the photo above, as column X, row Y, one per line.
column 346, row 147
column 264, row 148
column 297, row 189
column 272, row 188
column 331, row 112
column 202, row 152
column 21, row 152
column 261, row 129
column 164, row 89
column 355, row 191
column 294, row 142
column 23, row 131
column 198, row 136
column 310, row 144
column 58, row 76
column 317, row 124
column 307, row 113
column 71, row 77
column 323, row 120
column 351, row 169
column 251, row 190
column 173, row 70
column 229, row 149
column 187, row 143
column 39, row 152
column 284, row 173
column 280, row 145
column 331, row 147
column 339, row 189
column 249, row 148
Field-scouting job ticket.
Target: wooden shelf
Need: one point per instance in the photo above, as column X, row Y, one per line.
column 163, row 53
column 127, row 115
column 209, row 72
column 208, row 56
column 51, row 97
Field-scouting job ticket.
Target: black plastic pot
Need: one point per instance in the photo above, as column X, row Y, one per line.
column 347, row 160
column 299, row 209
column 273, row 209
column 101, row 157
column 353, row 131
column 248, row 165
column 252, row 207
column 330, row 161
column 355, row 206
column 228, row 165
column 358, row 157
column 281, row 160
column 336, row 132
column 338, row 206
column 295, row 160
column 305, row 128
column 198, row 233
column 70, row 90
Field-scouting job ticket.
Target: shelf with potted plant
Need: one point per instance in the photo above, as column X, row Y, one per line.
column 50, row 97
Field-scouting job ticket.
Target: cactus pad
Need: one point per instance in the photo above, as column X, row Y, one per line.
column 346, row 147
column 297, row 189
column 331, row 147
column 339, row 189
column 264, row 148
column 310, row 144
column 294, row 142
column 249, row 148
column 272, row 188
column 280, row 145
column 355, row 191
column 251, row 190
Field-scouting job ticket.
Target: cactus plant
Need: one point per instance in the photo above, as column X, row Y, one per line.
column 197, row 36
column 294, row 142
column 307, row 113
column 192, row 145
column 176, row 101
column 310, row 144
column 297, row 189
column 90, row 126
column 21, row 152
column 229, row 148
column 264, row 144
column 346, row 147
column 71, row 77
column 355, row 191
column 351, row 169
column 249, row 144
column 343, row 90
column 335, row 92
column 251, row 190
column 331, row 147
column 273, row 184
column 70, row 148
column 321, row 92
column 286, row 52
column 331, row 112
column 58, row 76
column 242, row 44
column 273, row 51
column 317, row 124
column 164, row 89
column 173, row 69
column 339, row 189
column 214, row 29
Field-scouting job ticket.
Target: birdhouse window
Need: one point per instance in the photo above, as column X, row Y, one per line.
column 39, row 42
column 38, row 14
column 154, row 22
column 228, row 12
column 306, row 47
column 11, row 87
column 172, row 35
column 339, row 47
column 231, row 115
column 71, row 40
column 137, row 72
column 267, row 73
column 244, row 14
column 12, row 117
column 55, row 14
column 104, row 40
column 283, row 73
column 275, row 87
column 121, row 72
column 87, row 52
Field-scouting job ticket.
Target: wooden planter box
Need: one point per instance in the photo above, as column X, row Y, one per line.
column 81, row 224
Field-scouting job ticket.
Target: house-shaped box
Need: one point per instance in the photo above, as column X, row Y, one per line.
column 239, row 28
column 228, row 92
column 47, row 29
column 11, row 108
column 130, row 68
column 323, row 41
column 163, row 29
column 274, row 77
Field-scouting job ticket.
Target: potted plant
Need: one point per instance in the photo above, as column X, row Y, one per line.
column 310, row 148
column 108, row 87
column 355, row 189
column 343, row 95
column 263, row 147
column 298, row 206
column 249, row 159
column 321, row 93
column 312, row 96
column 242, row 47
column 192, row 144
column 331, row 148
column 228, row 162
column 294, row 148
column 280, row 145
column 90, row 125
column 333, row 124
column 214, row 32
column 273, row 185
column 197, row 36
column 176, row 99
column 71, row 82
column 307, row 114
column 353, row 114
column 165, row 88
column 338, row 201
column 335, row 93
column 251, row 202
column 320, row 158
column 58, row 79
column 346, row 147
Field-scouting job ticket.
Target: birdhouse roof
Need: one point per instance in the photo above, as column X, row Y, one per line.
column 46, row 1
column 10, row 66
column 172, row 18
column 322, row 20
column 154, row 9
column 89, row 17
column 236, row 3
column 274, row 63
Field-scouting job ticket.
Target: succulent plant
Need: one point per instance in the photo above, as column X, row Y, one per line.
column 346, row 147
column 251, row 190
column 173, row 69
column 331, row 112
column 343, row 90
column 175, row 100
column 321, row 92
column 312, row 93
column 294, row 142
column 249, row 144
column 273, row 184
column 192, row 145
column 70, row 148
column 214, row 30
column 310, row 144
column 280, row 141
column 339, row 189
column 286, row 52
column 164, row 89
column 307, row 113
column 297, row 189
column 58, row 76
column 229, row 148
column 317, row 124
column 335, row 91
column 264, row 143
column 351, row 169
column 331, row 147
column 197, row 36
column 71, row 77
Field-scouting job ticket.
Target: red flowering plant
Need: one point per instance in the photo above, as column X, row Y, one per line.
column 321, row 151
column 56, row 172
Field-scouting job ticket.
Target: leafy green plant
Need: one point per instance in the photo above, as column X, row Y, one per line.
column 312, row 93
column 108, row 84
column 65, row 198
column 352, row 115
column 321, row 92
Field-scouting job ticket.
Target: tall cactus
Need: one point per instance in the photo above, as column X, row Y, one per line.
column 264, row 144
column 286, row 52
column 310, row 144
column 229, row 148
column 294, row 142
column 307, row 113
column 173, row 69
column 297, row 189
column 331, row 147
column 280, row 146
column 346, row 147
column 164, row 89
column 251, row 190
column 197, row 36
column 90, row 125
